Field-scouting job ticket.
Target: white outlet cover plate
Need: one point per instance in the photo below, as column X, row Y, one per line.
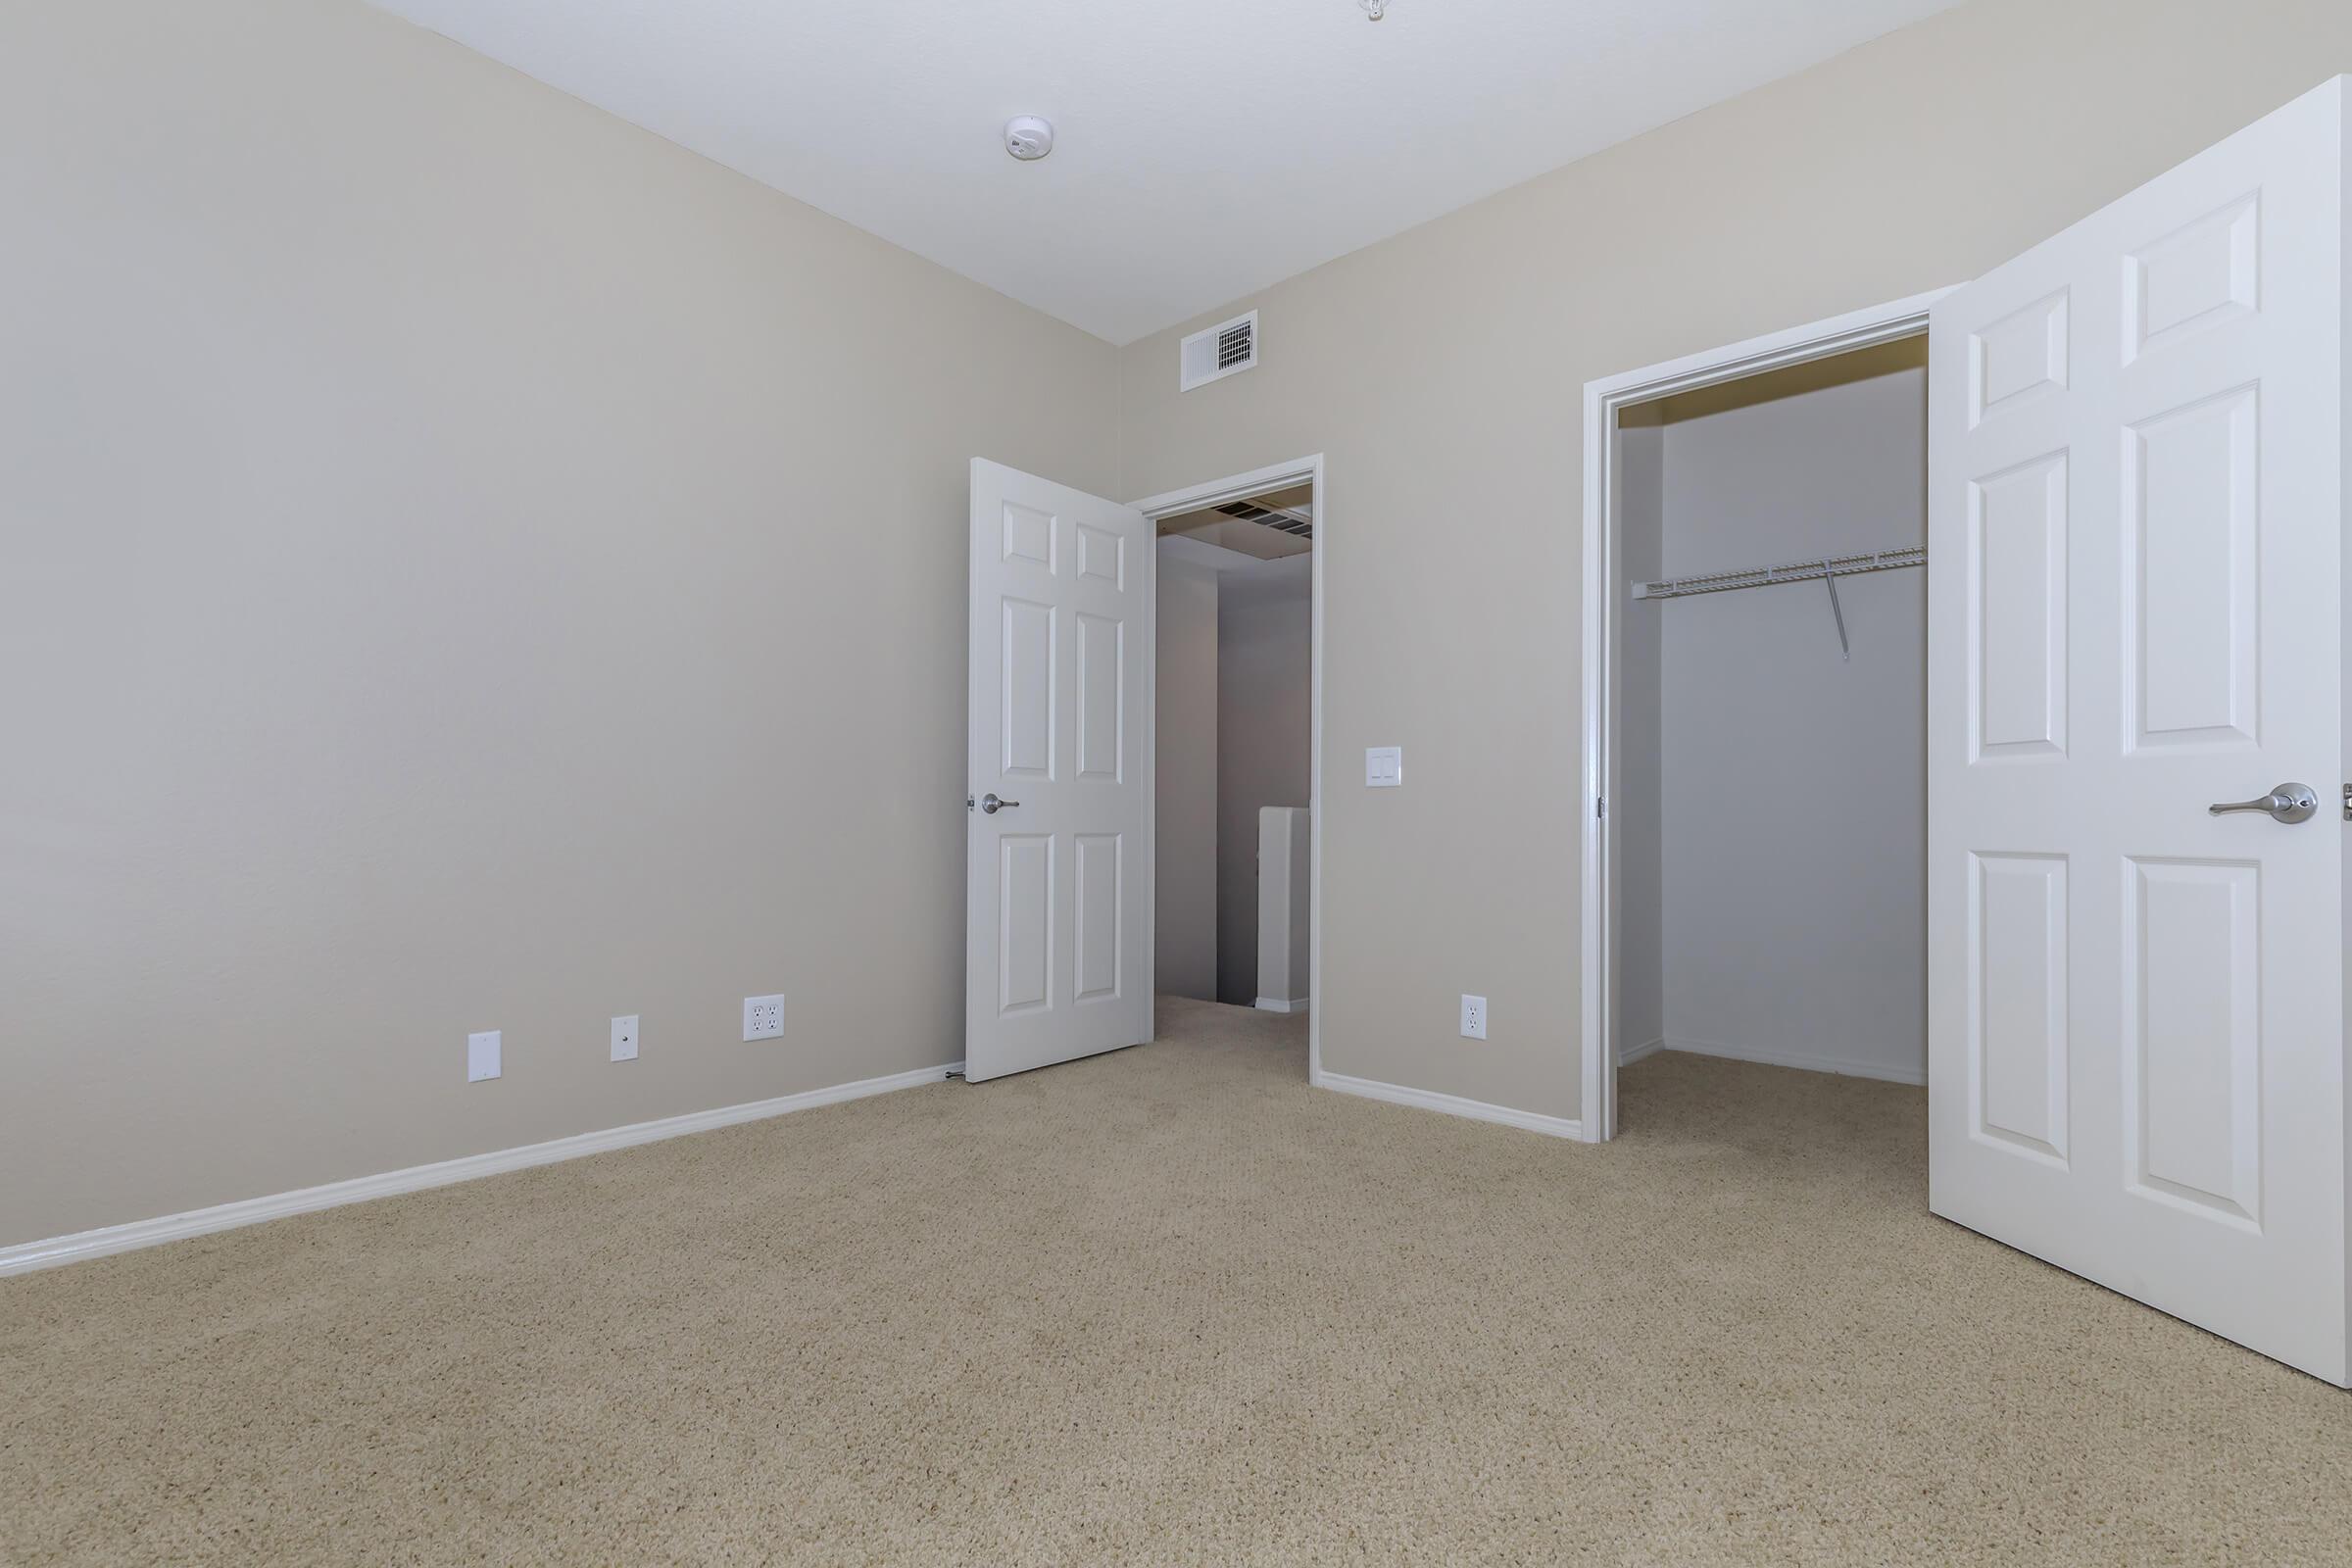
column 1474, row 1018
column 1384, row 767
column 483, row 1053
column 624, row 1039
column 762, row 1017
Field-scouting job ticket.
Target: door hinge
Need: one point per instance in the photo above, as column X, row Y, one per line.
column 1600, row 803
column 2348, row 803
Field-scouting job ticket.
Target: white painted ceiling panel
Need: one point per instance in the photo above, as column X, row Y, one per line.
column 1204, row 148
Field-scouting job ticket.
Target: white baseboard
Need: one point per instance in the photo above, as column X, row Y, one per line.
column 1451, row 1105
column 1633, row 1054
column 1277, row 1004
column 25, row 1256
column 1801, row 1059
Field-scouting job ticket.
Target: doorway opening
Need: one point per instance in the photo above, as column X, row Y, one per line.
column 1236, row 666
column 1756, row 709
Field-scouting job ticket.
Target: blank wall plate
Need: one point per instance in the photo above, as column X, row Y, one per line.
column 762, row 1017
column 1474, row 1018
column 483, row 1053
column 624, row 1039
column 1384, row 767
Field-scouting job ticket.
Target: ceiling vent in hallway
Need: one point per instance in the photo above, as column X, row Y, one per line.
column 1216, row 351
column 1296, row 521
column 1271, row 526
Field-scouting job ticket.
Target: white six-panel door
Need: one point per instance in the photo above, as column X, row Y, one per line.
column 2136, row 1009
column 1058, row 945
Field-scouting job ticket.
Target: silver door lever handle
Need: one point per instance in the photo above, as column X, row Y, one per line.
column 2288, row 803
column 992, row 806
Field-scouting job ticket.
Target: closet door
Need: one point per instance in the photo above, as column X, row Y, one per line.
column 2135, row 1005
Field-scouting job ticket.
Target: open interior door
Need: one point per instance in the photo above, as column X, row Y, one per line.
column 2136, row 607
column 1058, row 923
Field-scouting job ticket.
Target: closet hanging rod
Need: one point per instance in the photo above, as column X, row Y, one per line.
column 1716, row 582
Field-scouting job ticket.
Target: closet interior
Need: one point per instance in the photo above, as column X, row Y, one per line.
column 1771, row 794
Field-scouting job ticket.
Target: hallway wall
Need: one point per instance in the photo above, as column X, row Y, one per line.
column 1264, row 746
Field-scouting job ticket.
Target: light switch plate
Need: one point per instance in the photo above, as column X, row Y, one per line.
column 483, row 1053
column 1384, row 766
column 624, row 1039
column 1474, row 1018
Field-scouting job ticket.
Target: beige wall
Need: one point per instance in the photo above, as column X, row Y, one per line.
column 465, row 564
column 1440, row 373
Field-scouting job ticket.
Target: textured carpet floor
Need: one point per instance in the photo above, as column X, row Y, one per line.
column 1169, row 1305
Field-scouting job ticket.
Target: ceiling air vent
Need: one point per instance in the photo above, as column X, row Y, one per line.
column 1296, row 521
column 1216, row 351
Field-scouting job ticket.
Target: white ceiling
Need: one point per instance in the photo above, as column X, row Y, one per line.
column 1207, row 147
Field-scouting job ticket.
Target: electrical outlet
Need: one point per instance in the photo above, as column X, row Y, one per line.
column 762, row 1017
column 482, row 1052
column 1474, row 1018
column 624, row 1039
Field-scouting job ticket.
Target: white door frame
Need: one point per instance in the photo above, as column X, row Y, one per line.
column 1194, row 498
column 1840, row 334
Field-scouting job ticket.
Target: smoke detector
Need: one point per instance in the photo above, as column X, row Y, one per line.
column 1028, row 137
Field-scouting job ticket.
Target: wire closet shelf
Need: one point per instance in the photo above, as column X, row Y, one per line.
column 1814, row 571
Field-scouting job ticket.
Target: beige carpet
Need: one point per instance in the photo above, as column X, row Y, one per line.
column 1169, row 1305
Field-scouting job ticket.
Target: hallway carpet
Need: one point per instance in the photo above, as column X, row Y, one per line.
column 1169, row 1305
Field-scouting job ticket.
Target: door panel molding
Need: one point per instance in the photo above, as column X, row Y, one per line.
column 1057, row 907
column 2199, row 982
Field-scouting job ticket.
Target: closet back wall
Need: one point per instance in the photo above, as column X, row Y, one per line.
column 1793, row 791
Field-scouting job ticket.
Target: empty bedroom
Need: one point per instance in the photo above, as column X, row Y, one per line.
column 1385, row 781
